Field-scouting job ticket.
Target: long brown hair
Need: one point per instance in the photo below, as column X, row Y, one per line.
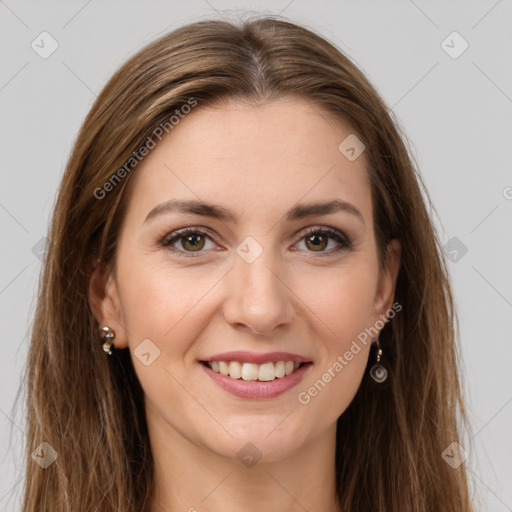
column 391, row 438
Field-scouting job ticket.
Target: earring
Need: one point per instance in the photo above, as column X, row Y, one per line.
column 378, row 372
column 107, row 338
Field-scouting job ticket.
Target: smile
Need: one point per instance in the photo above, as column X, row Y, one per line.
column 251, row 371
column 256, row 376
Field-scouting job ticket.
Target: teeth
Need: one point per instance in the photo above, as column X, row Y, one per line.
column 266, row 372
column 280, row 370
column 250, row 371
column 235, row 369
column 224, row 368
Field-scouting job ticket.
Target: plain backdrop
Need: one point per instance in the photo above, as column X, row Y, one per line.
column 455, row 106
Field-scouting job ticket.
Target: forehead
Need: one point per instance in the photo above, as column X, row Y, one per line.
column 253, row 159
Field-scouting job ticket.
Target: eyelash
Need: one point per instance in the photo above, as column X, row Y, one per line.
column 171, row 238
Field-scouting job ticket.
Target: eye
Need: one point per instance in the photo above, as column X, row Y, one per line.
column 317, row 240
column 189, row 241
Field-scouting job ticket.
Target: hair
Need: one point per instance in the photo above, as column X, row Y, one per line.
column 391, row 437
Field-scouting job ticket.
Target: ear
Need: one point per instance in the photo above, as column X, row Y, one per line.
column 387, row 280
column 104, row 302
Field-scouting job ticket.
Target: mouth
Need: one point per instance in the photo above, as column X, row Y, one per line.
column 265, row 372
column 256, row 376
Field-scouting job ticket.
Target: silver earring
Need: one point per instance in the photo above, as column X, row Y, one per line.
column 107, row 337
column 378, row 372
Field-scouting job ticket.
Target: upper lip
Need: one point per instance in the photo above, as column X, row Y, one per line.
column 253, row 357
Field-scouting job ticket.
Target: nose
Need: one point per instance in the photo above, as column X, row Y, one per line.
column 258, row 298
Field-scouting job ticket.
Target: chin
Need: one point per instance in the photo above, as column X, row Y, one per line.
column 252, row 441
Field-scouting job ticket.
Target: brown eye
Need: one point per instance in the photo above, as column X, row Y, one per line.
column 317, row 242
column 193, row 242
column 188, row 242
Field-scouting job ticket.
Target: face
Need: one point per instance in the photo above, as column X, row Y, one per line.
column 260, row 277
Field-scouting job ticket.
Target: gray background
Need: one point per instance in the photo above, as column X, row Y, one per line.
column 456, row 111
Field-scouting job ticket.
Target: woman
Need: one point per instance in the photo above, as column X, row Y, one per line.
column 244, row 304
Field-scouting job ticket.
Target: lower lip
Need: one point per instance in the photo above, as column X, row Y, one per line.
column 255, row 389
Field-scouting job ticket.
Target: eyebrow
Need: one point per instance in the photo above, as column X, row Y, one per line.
column 214, row 211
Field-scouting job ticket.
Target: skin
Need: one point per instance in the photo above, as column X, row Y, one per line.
column 258, row 161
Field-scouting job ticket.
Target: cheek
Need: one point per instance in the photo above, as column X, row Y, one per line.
column 160, row 301
column 344, row 303
column 163, row 304
column 344, row 300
